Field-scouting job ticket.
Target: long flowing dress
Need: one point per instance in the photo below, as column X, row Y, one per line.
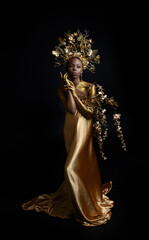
column 81, row 195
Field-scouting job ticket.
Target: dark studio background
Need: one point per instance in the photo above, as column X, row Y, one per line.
column 32, row 146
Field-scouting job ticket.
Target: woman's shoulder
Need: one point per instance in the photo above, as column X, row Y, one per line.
column 62, row 94
column 61, row 89
column 90, row 88
column 88, row 84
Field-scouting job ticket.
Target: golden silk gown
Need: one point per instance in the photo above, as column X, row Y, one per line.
column 81, row 195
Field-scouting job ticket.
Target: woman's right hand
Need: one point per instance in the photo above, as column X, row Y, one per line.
column 65, row 78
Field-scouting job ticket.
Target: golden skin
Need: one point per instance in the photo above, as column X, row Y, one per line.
column 75, row 89
column 74, row 69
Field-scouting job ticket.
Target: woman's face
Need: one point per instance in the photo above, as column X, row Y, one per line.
column 74, row 68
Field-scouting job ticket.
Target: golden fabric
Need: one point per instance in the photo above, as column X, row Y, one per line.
column 81, row 194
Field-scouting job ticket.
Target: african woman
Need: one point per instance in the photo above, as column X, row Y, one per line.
column 81, row 195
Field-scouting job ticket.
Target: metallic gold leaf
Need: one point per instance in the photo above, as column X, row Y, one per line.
column 97, row 59
column 94, row 52
column 55, row 53
column 59, row 50
column 77, row 42
column 62, row 41
column 89, row 53
column 80, row 37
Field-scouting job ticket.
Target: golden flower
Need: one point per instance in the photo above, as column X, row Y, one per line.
column 116, row 116
column 104, row 96
column 103, row 110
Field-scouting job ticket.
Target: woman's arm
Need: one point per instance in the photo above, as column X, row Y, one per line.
column 67, row 99
column 66, row 95
column 70, row 103
column 86, row 112
column 73, row 101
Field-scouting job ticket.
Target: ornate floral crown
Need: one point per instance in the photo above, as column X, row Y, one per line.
column 76, row 45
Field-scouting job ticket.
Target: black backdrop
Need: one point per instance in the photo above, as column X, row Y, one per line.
column 32, row 146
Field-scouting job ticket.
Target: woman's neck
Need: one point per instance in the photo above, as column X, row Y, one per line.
column 76, row 81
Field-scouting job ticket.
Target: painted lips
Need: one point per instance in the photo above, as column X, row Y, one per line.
column 74, row 73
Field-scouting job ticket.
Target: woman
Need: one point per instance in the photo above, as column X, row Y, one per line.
column 81, row 195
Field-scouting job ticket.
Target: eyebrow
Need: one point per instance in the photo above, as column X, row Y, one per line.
column 74, row 64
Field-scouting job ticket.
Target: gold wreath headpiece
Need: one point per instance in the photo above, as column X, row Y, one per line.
column 76, row 45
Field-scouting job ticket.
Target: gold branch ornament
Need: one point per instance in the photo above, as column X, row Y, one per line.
column 78, row 44
column 100, row 122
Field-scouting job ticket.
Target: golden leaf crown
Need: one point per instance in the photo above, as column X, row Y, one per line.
column 78, row 45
